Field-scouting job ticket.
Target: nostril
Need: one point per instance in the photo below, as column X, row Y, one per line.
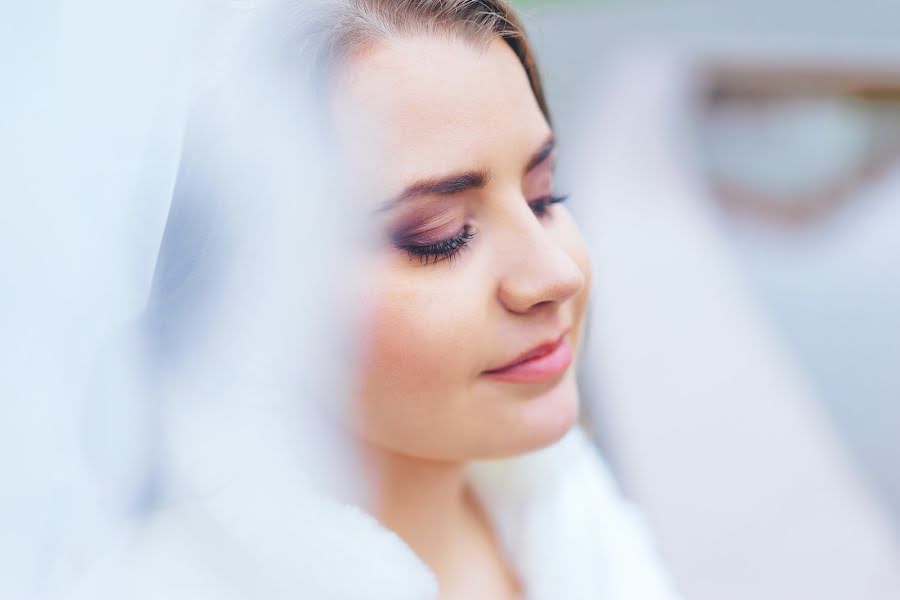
column 543, row 304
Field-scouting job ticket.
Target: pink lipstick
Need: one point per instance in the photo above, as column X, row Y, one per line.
column 539, row 364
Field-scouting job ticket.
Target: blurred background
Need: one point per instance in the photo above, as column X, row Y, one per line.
column 766, row 134
column 735, row 167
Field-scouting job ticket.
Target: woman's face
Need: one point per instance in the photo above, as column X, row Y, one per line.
column 476, row 290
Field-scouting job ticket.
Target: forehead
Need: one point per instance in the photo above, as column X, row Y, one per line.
column 407, row 109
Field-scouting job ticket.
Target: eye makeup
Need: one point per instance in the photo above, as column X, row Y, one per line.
column 538, row 181
column 439, row 236
column 433, row 233
column 445, row 249
column 541, row 206
column 430, row 231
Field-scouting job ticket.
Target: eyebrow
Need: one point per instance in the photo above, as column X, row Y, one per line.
column 440, row 186
column 541, row 155
column 461, row 182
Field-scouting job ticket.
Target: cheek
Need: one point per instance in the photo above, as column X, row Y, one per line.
column 419, row 329
column 407, row 333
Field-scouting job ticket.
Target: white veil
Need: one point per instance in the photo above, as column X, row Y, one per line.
column 97, row 97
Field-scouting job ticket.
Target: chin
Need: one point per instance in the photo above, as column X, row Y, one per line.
column 539, row 421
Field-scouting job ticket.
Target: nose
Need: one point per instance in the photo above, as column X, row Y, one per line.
column 537, row 271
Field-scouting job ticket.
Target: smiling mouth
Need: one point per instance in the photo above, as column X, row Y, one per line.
column 537, row 365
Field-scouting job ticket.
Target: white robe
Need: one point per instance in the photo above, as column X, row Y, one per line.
column 566, row 531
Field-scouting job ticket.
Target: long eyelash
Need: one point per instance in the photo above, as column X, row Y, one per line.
column 540, row 206
column 443, row 250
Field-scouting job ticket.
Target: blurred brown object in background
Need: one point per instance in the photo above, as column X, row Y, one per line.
column 789, row 144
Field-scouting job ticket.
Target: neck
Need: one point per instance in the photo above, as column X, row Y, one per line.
column 430, row 506
column 424, row 501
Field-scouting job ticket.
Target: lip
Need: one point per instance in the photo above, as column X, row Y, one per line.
column 539, row 364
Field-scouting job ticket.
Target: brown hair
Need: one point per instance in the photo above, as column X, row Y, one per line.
column 329, row 32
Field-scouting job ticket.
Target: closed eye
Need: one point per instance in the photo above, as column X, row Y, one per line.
column 441, row 250
column 541, row 206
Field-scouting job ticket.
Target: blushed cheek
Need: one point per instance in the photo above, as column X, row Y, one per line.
column 404, row 344
column 392, row 346
column 402, row 390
